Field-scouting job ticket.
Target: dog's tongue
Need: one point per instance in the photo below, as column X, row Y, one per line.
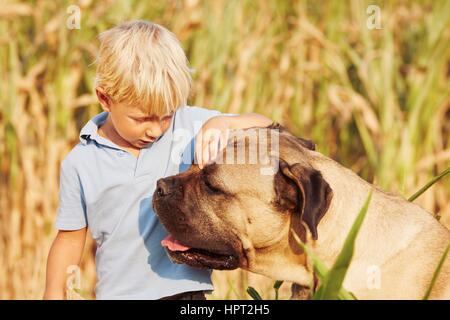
column 173, row 244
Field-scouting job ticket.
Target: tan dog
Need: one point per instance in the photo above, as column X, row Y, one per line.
column 230, row 216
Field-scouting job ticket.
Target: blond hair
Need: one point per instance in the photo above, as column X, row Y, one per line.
column 142, row 64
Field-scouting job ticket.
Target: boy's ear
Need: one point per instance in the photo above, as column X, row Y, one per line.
column 103, row 98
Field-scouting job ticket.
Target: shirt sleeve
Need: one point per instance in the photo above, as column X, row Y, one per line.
column 72, row 207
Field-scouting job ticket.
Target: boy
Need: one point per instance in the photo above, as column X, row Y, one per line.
column 107, row 180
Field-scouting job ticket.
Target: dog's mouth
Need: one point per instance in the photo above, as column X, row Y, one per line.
column 198, row 258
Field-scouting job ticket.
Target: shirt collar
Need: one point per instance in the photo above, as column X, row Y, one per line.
column 89, row 131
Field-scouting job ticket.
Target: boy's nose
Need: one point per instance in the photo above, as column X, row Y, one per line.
column 156, row 131
column 150, row 134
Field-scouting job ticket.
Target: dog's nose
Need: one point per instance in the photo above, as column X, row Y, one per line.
column 166, row 186
column 161, row 188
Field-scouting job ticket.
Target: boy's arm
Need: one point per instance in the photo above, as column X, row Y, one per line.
column 214, row 133
column 66, row 250
column 246, row 120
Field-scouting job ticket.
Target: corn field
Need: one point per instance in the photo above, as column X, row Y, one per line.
column 377, row 100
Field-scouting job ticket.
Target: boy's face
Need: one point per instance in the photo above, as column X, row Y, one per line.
column 133, row 125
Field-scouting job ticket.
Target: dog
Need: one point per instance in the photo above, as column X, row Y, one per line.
column 229, row 216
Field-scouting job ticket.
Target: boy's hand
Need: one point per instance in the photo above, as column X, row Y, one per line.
column 211, row 139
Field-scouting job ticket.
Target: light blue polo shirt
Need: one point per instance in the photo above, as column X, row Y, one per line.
column 109, row 190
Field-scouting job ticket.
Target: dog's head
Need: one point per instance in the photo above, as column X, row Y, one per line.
column 232, row 213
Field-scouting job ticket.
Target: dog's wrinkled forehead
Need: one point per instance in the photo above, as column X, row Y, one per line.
column 264, row 146
column 252, row 156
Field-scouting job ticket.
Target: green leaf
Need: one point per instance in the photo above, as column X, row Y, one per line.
column 320, row 269
column 429, row 184
column 436, row 272
column 277, row 286
column 332, row 283
column 253, row 293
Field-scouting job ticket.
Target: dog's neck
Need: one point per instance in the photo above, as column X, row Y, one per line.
column 395, row 233
column 282, row 263
column 349, row 195
column 387, row 215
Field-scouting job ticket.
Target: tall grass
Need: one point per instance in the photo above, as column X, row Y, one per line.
column 375, row 100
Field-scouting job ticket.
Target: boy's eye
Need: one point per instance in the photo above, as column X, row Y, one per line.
column 166, row 118
column 143, row 119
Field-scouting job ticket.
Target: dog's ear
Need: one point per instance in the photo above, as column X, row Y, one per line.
column 304, row 189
